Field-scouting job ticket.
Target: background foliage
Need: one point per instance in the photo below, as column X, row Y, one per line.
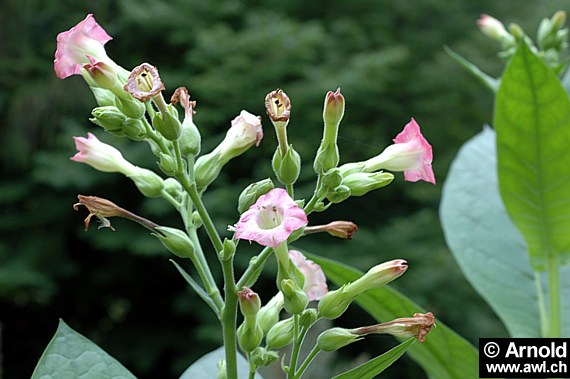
column 119, row 288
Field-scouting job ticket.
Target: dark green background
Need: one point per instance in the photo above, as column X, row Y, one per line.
column 119, row 288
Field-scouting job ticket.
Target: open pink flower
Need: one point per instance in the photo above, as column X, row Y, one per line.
column 315, row 281
column 410, row 153
column 101, row 156
column 271, row 219
column 73, row 46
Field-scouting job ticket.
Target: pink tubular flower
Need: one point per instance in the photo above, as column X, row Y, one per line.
column 101, row 156
column 271, row 219
column 410, row 153
column 245, row 132
column 315, row 282
column 492, row 28
column 73, row 46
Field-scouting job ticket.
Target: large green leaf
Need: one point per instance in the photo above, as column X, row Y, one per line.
column 444, row 355
column 488, row 248
column 207, row 366
column 532, row 120
column 376, row 365
column 69, row 355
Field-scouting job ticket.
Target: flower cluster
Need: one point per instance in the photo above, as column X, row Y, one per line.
column 132, row 105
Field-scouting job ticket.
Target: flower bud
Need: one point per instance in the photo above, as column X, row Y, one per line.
column 167, row 123
column 249, row 337
column 109, row 118
column 176, row 241
column 361, row 183
column 281, row 334
column 378, row 276
column 101, row 73
column 296, row 299
column 327, row 158
column 249, row 304
column 229, row 249
column 493, row 29
column 190, row 139
column 269, row 314
column 167, row 164
column 335, row 338
column 287, row 168
column 147, row 182
column 327, row 154
column 103, row 97
column 263, row 357
column 134, row 129
column 308, row 317
column 130, row 107
column 517, row 31
column 417, row 326
column 334, row 303
column 332, row 178
column 339, row 194
column 251, row 193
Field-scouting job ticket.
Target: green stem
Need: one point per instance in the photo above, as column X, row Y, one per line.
column 311, row 204
column 554, row 296
column 229, row 319
column 290, row 190
column 179, row 164
column 251, row 367
column 254, row 268
column 543, row 313
column 307, row 362
column 299, row 336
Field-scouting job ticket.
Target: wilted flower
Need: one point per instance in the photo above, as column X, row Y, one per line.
column 74, row 46
column 340, row 229
column 271, row 219
column 410, row 153
column 315, row 281
column 278, row 108
column 101, row 156
column 417, row 326
column 144, row 82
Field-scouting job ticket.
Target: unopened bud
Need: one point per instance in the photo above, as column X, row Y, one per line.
column 334, row 303
column 296, row 299
column 249, row 304
column 336, row 338
column 308, row 317
column 229, row 249
column 130, row 107
column 417, row 326
column 109, row 118
column 263, row 357
column 269, row 314
column 558, row 19
column 378, row 276
column 134, row 129
column 248, row 337
column 100, row 73
column 167, row 164
column 251, row 193
column 281, row 334
column 493, row 28
column 287, row 168
column 327, row 154
column 167, row 123
column 333, row 111
column 327, row 158
column 363, row 182
column 147, row 182
column 517, row 31
column 176, row 241
column 339, row 194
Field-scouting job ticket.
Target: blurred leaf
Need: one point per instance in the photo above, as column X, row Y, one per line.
column 444, row 355
column 376, row 365
column 206, row 366
column 532, row 120
column 70, row 355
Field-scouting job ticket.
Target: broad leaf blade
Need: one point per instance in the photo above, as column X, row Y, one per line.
column 206, row 367
column 69, row 355
column 489, row 249
column 532, row 120
column 376, row 365
column 444, row 355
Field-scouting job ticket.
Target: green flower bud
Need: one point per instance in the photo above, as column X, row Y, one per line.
column 251, row 193
column 190, row 139
column 167, row 123
column 339, row 194
column 249, row 338
column 334, row 303
column 229, row 249
column 263, row 357
column 378, row 276
column 109, row 118
column 269, row 314
column 173, row 187
column 287, row 168
column 167, row 164
column 134, row 129
column 196, row 219
column 176, row 241
column 327, row 158
column 281, row 334
column 308, row 317
column 130, row 107
column 335, row 338
column 249, row 304
column 332, row 178
column 147, row 182
column 296, row 299
column 362, row 182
